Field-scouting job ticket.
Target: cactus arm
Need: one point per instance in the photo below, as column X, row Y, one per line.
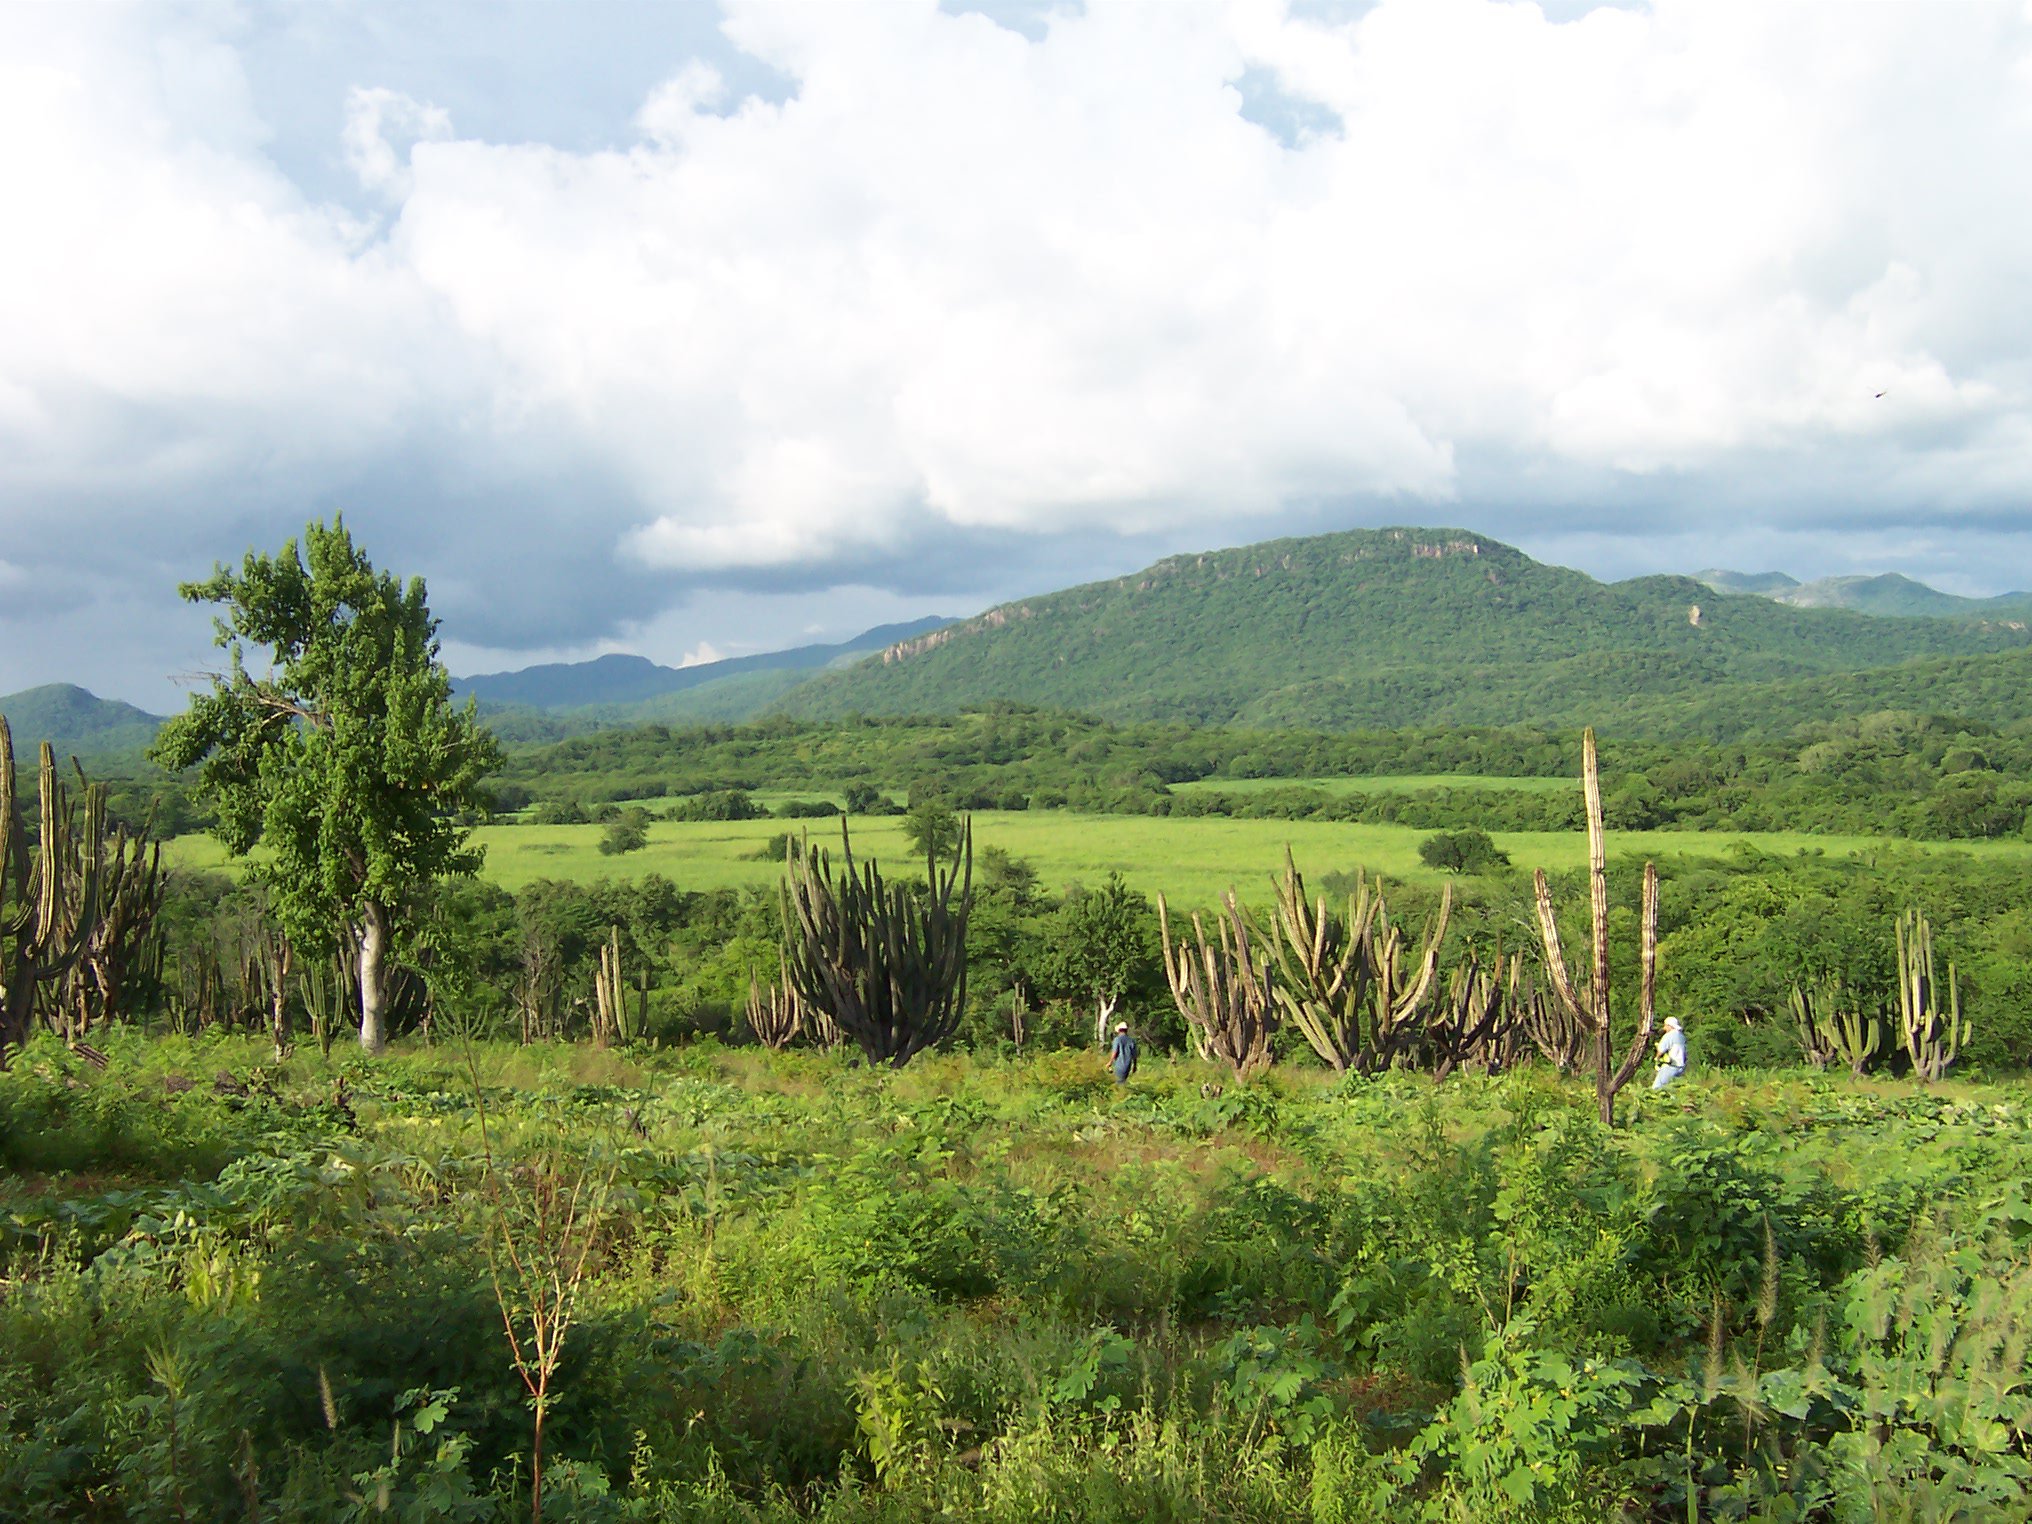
column 1647, row 1011
column 1598, row 878
column 1414, row 997
column 1555, row 958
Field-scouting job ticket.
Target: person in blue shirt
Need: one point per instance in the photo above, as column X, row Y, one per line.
column 1671, row 1054
column 1122, row 1056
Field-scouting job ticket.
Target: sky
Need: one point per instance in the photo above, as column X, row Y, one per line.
column 694, row 329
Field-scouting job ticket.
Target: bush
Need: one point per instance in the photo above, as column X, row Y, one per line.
column 806, row 809
column 627, row 832
column 718, row 804
column 1467, row 851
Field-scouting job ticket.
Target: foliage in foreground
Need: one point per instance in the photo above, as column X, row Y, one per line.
column 1005, row 1291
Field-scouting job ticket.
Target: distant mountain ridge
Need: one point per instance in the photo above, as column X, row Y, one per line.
column 1770, row 584
column 617, row 679
column 76, row 722
column 1375, row 628
column 1384, row 629
column 1891, row 596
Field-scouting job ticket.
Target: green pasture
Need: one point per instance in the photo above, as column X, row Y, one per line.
column 1191, row 860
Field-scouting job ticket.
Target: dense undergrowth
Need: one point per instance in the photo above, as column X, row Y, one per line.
column 1004, row 1290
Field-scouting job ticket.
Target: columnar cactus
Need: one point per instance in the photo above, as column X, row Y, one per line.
column 1222, row 988
column 1474, row 1022
column 614, row 1019
column 1560, row 1038
column 1933, row 1033
column 124, row 944
column 775, row 1015
column 886, row 962
column 1589, row 1003
column 48, row 909
column 1341, row 980
column 1832, row 1024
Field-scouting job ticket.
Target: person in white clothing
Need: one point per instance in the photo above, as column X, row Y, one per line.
column 1671, row 1054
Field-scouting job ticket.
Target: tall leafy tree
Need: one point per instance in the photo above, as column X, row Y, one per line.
column 1102, row 947
column 345, row 760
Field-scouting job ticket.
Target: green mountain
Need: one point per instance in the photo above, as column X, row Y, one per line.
column 616, row 682
column 1375, row 628
column 76, row 723
column 1890, row 596
column 724, row 700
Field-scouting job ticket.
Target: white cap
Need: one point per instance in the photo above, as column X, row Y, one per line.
column 1672, row 1022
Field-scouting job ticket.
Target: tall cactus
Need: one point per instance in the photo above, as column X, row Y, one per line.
column 1933, row 1033
column 775, row 1015
column 1400, row 996
column 1474, row 1023
column 1832, row 1024
column 1341, row 981
column 614, row 1019
column 48, row 909
column 886, row 962
column 1561, row 1039
column 1589, row 1003
column 325, row 986
column 1222, row 988
column 125, row 942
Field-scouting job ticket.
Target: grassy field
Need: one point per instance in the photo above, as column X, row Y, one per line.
column 1192, row 861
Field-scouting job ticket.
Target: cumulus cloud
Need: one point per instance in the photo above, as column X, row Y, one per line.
column 382, row 126
column 969, row 304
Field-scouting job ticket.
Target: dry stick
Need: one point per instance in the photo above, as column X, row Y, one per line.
column 551, row 1298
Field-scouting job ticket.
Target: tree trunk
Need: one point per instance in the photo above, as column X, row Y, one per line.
column 278, row 1022
column 1104, row 1009
column 17, row 1016
column 374, row 977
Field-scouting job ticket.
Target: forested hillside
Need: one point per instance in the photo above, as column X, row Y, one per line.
column 1375, row 629
column 78, row 723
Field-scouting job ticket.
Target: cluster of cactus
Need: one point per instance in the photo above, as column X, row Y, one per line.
column 1344, row 980
column 1477, row 1024
column 775, row 1015
column 254, row 977
column 1833, row 1026
column 49, row 909
column 1348, row 984
column 1588, row 1004
column 1223, row 988
column 885, row 963
column 1561, row 1038
column 122, row 950
column 1933, row 1031
column 329, row 997
column 615, row 1017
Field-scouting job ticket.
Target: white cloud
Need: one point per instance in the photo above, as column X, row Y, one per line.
column 963, row 289
column 382, row 129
